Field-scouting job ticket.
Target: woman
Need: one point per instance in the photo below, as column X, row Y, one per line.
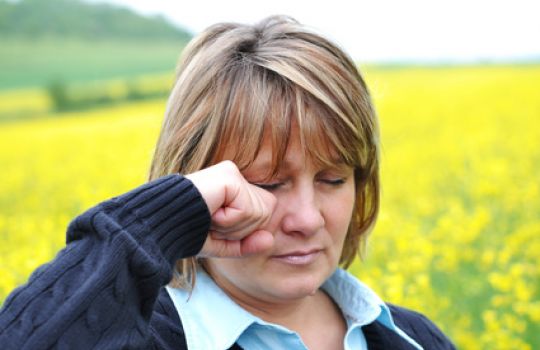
column 274, row 129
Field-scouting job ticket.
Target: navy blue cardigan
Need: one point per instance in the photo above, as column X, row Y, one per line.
column 104, row 290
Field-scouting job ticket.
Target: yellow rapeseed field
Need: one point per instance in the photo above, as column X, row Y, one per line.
column 459, row 231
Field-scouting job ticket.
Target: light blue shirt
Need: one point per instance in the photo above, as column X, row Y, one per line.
column 212, row 320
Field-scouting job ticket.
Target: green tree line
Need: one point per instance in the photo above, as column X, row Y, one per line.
column 74, row 18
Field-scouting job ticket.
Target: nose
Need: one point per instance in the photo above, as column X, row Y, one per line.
column 302, row 214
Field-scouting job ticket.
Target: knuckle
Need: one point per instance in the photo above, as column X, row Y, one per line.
column 229, row 165
column 248, row 213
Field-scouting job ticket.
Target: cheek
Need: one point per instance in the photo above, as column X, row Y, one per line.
column 232, row 271
column 341, row 206
column 339, row 214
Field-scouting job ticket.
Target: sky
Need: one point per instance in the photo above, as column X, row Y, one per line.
column 383, row 30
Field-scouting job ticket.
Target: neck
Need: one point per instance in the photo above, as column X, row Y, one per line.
column 302, row 315
column 286, row 312
column 291, row 314
column 315, row 318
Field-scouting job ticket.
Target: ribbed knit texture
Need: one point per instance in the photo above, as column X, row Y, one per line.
column 100, row 291
column 423, row 330
column 105, row 289
column 416, row 325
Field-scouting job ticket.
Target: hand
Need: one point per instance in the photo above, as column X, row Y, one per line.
column 240, row 212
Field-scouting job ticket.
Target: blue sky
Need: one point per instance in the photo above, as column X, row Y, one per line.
column 383, row 30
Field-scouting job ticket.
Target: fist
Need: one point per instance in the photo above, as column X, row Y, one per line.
column 240, row 212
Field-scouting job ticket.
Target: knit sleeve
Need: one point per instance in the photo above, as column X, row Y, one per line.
column 100, row 290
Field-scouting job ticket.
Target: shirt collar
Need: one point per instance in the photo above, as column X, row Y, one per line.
column 212, row 320
column 358, row 303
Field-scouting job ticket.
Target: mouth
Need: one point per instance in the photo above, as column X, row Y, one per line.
column 298, row 257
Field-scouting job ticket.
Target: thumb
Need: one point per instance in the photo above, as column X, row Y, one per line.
column 254, row 243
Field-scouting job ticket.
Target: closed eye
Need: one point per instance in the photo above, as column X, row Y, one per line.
column 334, row 182
column 269, row 186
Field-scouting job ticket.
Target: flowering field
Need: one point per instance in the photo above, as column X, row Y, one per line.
column 458, row 237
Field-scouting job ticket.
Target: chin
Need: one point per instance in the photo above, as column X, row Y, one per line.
column 297, row 287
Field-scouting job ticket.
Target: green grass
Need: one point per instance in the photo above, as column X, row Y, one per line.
column 33, row 63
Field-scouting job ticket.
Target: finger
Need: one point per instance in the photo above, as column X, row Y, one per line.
column 229, row 236
column 253, row 212
column 257, row 242
column 230, row 219
column 220, row 248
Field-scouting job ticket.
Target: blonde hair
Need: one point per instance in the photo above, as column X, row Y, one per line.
column 234, row 82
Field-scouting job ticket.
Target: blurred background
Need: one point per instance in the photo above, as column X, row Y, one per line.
column 83, row 87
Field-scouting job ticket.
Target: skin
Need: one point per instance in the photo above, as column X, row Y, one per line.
column 286, row 235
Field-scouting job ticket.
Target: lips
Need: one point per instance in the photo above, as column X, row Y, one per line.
column 298, row 257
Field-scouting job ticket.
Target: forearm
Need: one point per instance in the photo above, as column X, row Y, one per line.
column 102, row 287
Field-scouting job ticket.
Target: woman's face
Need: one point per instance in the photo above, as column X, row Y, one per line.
column 310, row 222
